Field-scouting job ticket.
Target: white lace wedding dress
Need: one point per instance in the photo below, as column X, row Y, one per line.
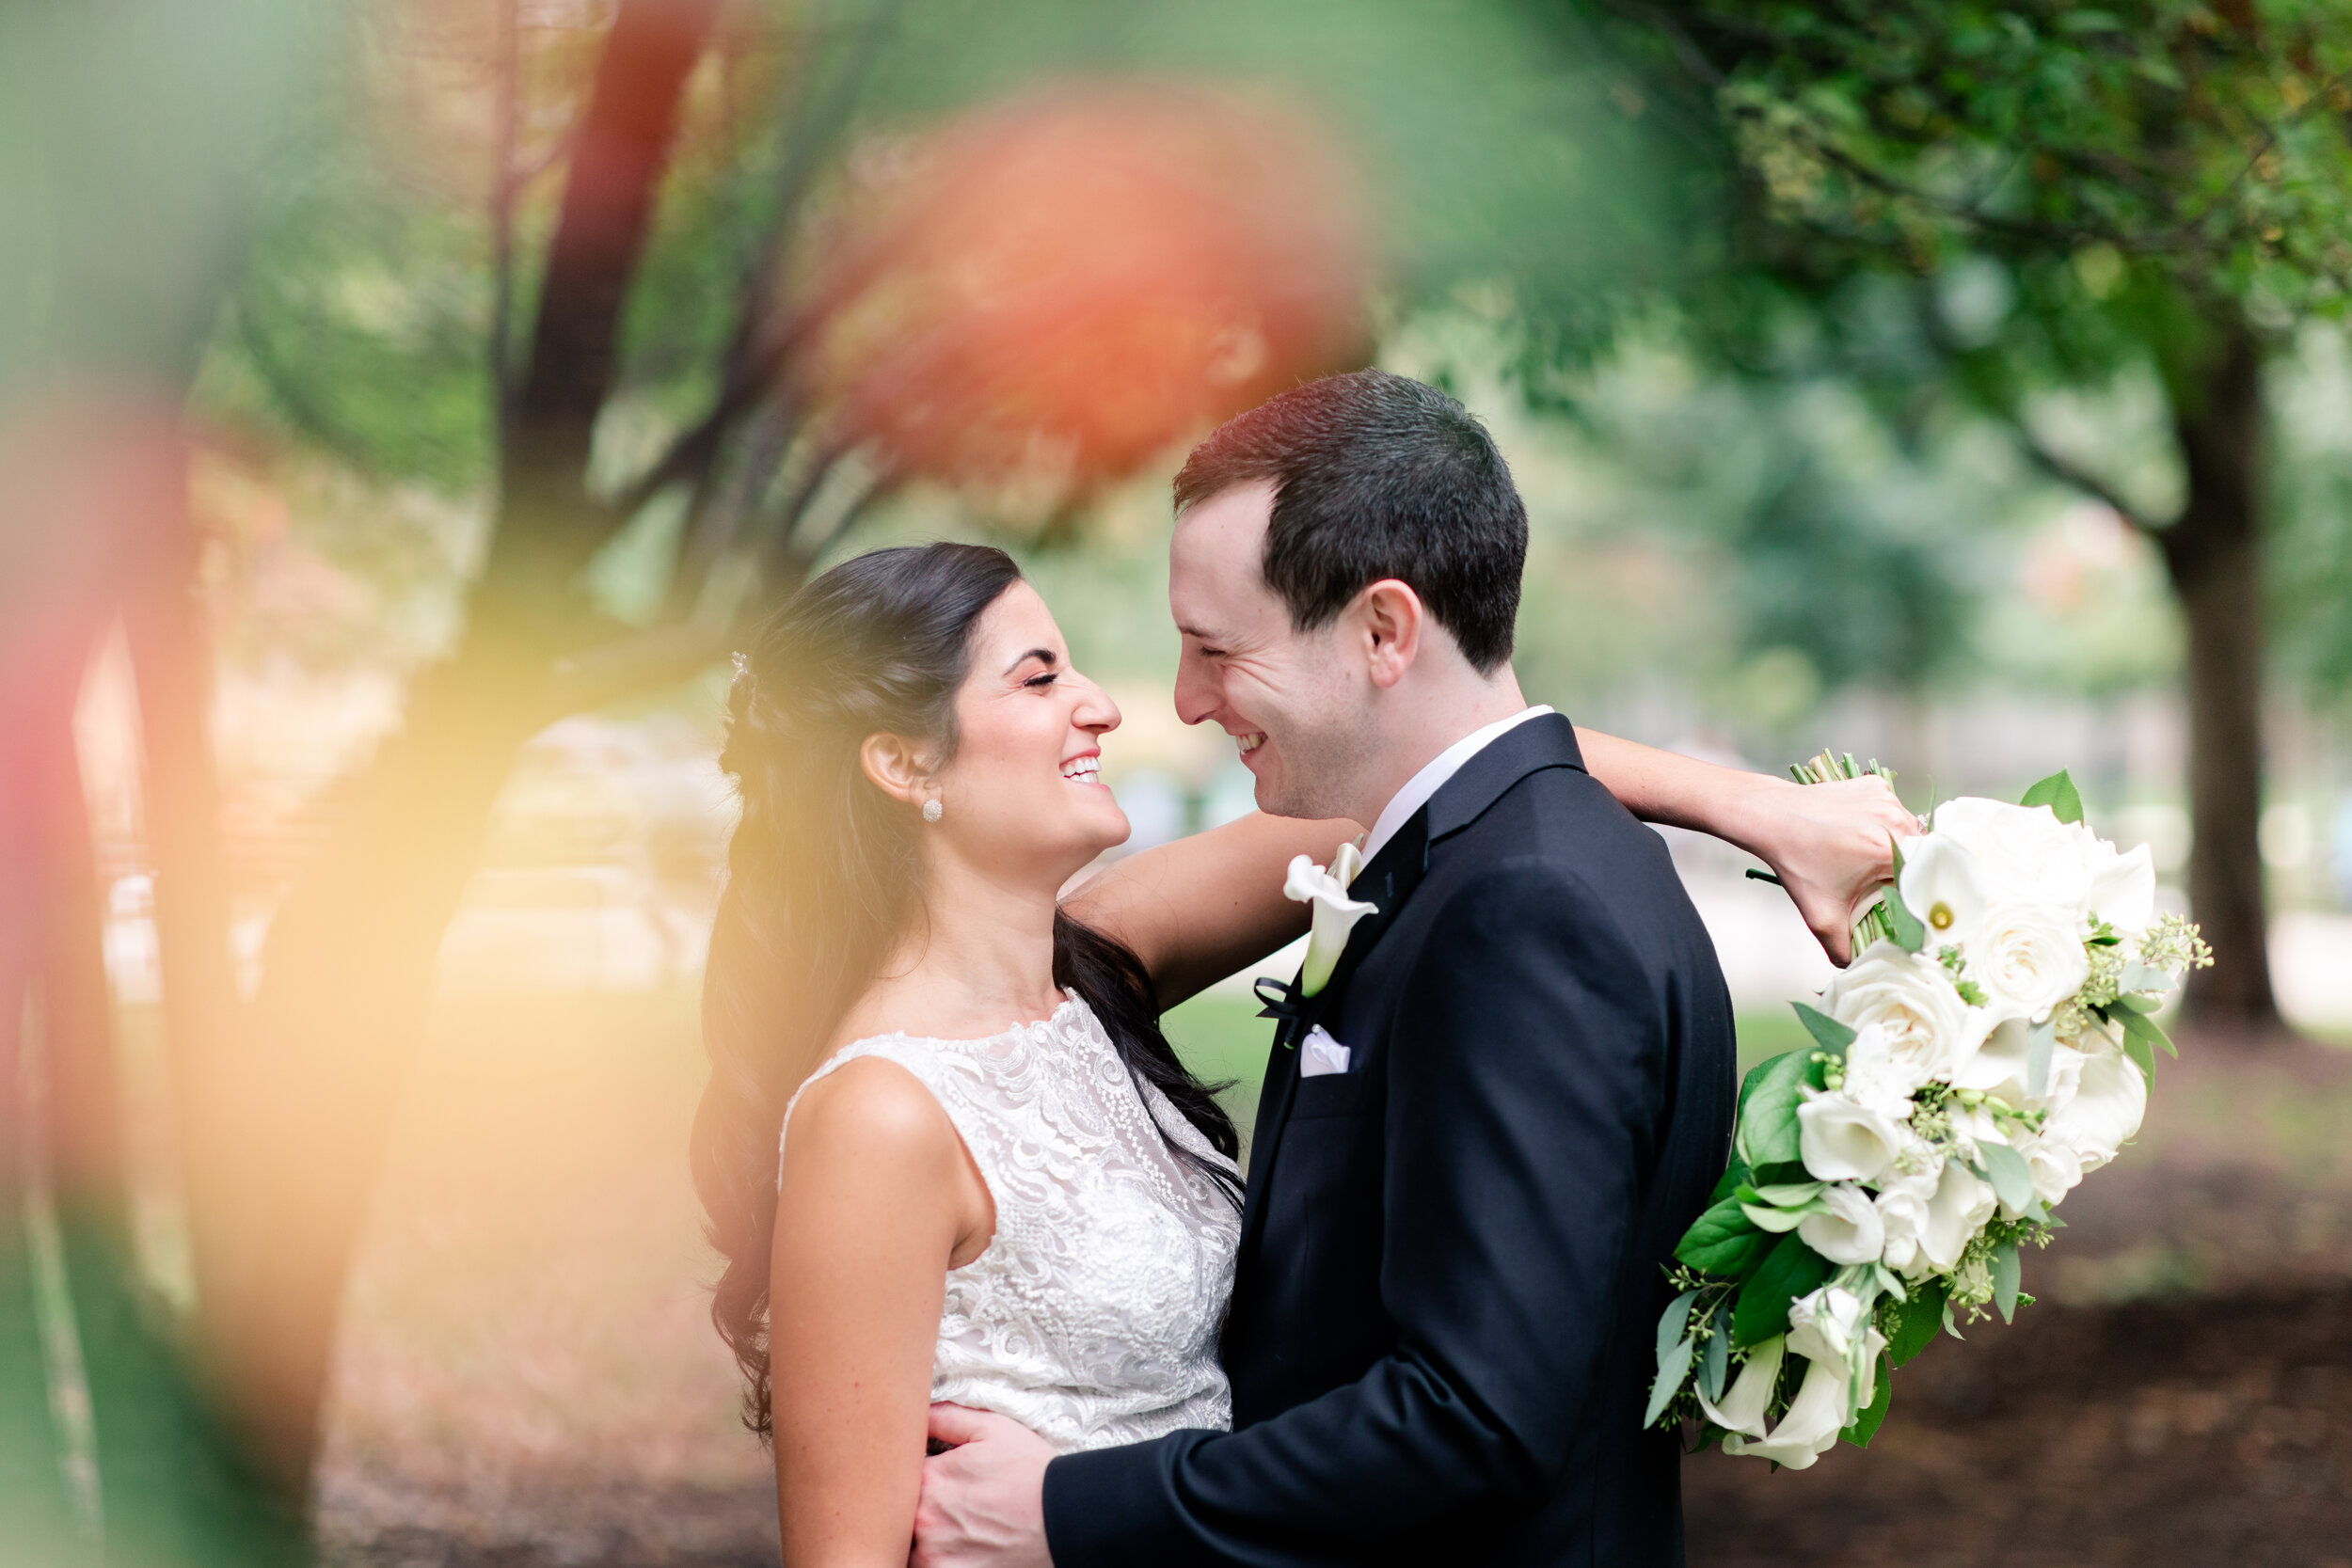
column 1093, row 1317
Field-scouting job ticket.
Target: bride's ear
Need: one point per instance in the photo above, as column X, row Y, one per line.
column 900, row 769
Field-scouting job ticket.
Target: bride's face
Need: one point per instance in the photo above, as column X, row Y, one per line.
column 1025, row 791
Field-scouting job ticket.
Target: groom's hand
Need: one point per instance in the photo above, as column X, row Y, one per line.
column 983, row 1503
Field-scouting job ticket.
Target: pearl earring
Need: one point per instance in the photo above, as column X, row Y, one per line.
column 933, row 811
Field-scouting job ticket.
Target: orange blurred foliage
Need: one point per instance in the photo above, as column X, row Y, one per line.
column 1078, row 279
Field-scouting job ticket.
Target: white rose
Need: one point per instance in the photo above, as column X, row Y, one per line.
column 1335, row 914
column 2057, row 1170
column 1842, row 1140
column 2029, row 958
column 2105, row 1110
column 1902, row 1206
column 1751, row 1392
column 2022, row 852
column 1959, row 1210
column 1846, row 1228
column 1923, row 1025
column 1941, row 887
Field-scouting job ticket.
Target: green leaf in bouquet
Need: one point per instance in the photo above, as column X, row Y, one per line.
column 1833, row 1037
column 2058, row 793
column 2007, row 1277
column 1767, row 1109
column 2041, row 1043
column 1715, row 1362
column 1866, row 1423
column 1911, row 934
column 2143, row 1057
column 2141, row 976
column 1734, row 1175
column 1777, row 1221
column 1671, row 1377
column 2011, row 1177
column 2138, row 1025
column 1922, row 1314
column 1722, row 1242
column 1785, row 1195
column 1672, row 1322
column 1890, row 1282
column 1791, row 1270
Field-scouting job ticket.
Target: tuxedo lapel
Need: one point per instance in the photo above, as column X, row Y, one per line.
column 1387, row 881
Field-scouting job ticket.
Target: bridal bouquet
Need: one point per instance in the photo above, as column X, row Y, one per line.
column 1988, row 1048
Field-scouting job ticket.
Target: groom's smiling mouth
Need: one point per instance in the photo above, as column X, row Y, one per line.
column 1249, row 742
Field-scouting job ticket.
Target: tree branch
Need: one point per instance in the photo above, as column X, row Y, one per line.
column 2072, row 474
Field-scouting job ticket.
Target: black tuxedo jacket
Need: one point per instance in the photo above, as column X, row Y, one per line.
column 1443, row 1327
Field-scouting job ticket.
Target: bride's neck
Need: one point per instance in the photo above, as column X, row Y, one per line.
column 976, row 959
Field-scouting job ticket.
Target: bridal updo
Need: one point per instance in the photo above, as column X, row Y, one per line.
column 824, row 872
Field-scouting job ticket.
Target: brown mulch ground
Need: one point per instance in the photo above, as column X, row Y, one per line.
column 2190, row 1432
column 2182, row 1394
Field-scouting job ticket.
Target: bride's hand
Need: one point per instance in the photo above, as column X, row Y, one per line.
column 1829, row 845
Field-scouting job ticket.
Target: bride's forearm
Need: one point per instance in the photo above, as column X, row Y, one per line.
column 1829, row 844
column 1199, row 908
column 1730, row 803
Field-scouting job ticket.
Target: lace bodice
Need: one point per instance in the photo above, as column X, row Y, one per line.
column 1092, row 1317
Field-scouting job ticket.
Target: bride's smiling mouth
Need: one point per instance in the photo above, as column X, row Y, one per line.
column 1085, row 770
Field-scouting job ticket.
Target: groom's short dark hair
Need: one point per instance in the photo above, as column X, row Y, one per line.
column 1378, row 476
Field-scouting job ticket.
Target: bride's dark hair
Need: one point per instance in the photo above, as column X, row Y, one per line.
column 824, row 872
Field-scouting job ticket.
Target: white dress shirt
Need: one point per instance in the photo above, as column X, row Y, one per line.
column 1422, row 785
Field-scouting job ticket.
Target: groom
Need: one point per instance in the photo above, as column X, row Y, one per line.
column 1443, row 1327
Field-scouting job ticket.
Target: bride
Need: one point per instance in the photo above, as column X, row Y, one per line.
column 946, row 1150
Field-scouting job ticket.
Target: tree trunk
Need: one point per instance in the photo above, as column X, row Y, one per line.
column 2213, row 555
column 348, row 967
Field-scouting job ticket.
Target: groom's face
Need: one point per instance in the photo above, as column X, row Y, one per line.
column 1294, row 702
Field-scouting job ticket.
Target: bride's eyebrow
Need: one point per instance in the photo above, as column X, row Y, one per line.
column 1043, row 656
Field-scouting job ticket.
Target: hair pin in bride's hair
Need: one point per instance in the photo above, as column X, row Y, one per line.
column 742, row 668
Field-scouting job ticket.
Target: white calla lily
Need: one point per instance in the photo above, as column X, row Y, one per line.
column 1839, row 1139
column 1959, row 1210
column 2122, row 884
column 2105, row 1110
column 1335, row 912
column 1751, row 1393
column 1941, row 887
column 1844, row 1228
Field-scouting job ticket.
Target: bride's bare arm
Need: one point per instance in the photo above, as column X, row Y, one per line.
column 1828, row 843
column 1203, row 907
column 878, row 1200
column 1197, row 910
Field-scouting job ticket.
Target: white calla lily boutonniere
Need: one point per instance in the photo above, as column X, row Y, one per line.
column 1335, row 912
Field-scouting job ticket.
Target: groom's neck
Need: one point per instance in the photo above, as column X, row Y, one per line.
column 1420, row 717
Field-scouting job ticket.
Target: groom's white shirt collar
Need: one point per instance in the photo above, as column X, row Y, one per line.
column 1422, row 785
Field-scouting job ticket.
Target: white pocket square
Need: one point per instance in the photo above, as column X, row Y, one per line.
column 1319, row 1055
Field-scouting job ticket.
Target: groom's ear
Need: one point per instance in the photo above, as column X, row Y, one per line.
column 899, row 768
column 1390, row 619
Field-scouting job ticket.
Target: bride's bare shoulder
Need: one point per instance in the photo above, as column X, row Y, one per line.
column 871, row 1108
